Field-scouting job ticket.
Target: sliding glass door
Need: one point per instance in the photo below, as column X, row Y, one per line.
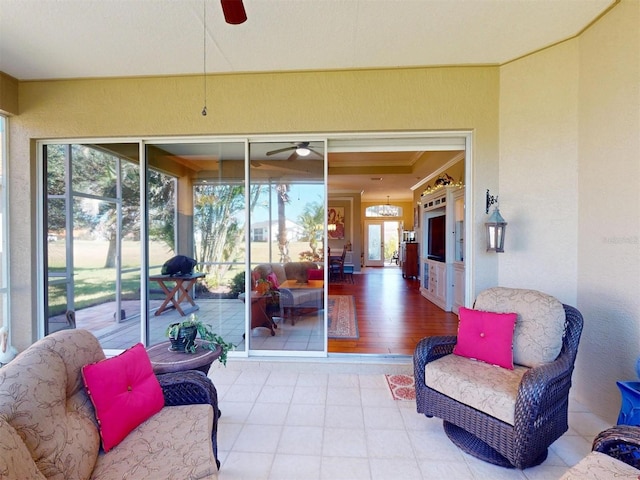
column 287, row 225
column 92, row 243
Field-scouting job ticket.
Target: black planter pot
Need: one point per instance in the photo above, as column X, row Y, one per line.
column 186, row 338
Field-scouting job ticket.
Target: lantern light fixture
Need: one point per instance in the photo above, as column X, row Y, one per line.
column 495, row 227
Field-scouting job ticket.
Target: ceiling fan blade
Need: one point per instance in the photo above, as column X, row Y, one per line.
column 317, row 153
column 234, row 12
column 280, row 150
column 293, row 156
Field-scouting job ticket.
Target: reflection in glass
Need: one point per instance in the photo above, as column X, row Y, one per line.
column 287, row 230
column 208, row 195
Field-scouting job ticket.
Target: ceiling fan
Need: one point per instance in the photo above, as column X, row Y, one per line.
column 233, row 11
column 300, row 149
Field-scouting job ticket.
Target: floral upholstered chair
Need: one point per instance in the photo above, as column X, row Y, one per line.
column 501, row 386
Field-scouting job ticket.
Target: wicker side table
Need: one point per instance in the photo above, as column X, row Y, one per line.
column 164, row 360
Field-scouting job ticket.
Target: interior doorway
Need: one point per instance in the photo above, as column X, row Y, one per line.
column 381, row 242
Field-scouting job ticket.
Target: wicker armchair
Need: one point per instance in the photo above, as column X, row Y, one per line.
column 188, row 388
column 541, row 404
column 621, row 442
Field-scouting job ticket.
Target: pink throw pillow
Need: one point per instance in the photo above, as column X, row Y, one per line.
column 486, row 336
column 124, row 392
column 315, row 274
column 274, row 280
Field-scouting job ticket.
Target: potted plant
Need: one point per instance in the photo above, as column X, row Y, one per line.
column 265, row 288
column 182, row 336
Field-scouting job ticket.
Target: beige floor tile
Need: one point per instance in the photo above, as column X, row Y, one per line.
column 295, row 467
column 246, row 466
column 309, row 415
column 344, row 442
column 301, row 440
column 288, row 420
column 386, row 468
column 345, row 468
column 389, row 444
column 258, row 438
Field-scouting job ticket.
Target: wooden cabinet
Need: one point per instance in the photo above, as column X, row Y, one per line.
column 442, row 262
column 458, row 287
column 409, row 259
column 434, row 285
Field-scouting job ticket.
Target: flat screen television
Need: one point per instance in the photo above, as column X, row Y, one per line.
column 436, row 237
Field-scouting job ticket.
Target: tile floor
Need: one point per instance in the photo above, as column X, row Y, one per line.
column 335, row 419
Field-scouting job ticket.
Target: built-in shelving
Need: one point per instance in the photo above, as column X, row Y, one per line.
column 443, row 273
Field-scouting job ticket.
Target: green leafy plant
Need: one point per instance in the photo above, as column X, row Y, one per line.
column 211, row 340
column 237, row 284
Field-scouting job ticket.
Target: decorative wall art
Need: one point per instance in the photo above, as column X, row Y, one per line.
column 335, row 221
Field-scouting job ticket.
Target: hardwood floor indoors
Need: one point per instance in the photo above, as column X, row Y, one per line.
column 392, row 314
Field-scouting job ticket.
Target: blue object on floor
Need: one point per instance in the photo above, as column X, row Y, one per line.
column 630, row 407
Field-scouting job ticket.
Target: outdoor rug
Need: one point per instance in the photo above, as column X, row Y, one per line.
column 342, row 317
column 402, row 387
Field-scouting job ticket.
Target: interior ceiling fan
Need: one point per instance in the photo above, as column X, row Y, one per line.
column 300, row 149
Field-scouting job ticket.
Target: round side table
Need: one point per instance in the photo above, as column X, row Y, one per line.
column 164, row 360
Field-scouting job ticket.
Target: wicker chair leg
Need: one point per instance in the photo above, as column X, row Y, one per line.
column 472, row 445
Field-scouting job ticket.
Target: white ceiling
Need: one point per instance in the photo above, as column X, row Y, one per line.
column 46, row 39
column 55, row 39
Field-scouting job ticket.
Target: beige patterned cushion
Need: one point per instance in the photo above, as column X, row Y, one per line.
column 598, row 466
column 44, row 400
column 174, row 443
column 485, row 387
column 538, row 335
column 15, row 460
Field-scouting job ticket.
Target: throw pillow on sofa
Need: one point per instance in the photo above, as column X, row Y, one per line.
column 315, row 274
column 124, row 391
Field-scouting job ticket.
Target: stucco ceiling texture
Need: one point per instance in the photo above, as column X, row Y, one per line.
column 47, row 39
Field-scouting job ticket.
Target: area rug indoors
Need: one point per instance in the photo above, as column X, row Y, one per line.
column 342, row 317
column 402, row 387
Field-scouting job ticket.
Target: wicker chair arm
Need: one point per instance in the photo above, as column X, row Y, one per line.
column 431, row 348
column 621, row 442
column 186, row 388
column 542, row 388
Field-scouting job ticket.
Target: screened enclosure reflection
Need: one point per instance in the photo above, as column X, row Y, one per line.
column 105, row 214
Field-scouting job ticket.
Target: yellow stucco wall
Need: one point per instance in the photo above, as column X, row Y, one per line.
column 569, row 173
column 8, row 94
column 609, row 214
column 339, row 101
column 562, row 124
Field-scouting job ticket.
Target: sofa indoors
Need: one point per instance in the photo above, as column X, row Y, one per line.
column 48, row 424
column 295, row 299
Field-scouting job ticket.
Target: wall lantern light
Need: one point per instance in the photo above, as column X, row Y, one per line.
column 495, row 227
